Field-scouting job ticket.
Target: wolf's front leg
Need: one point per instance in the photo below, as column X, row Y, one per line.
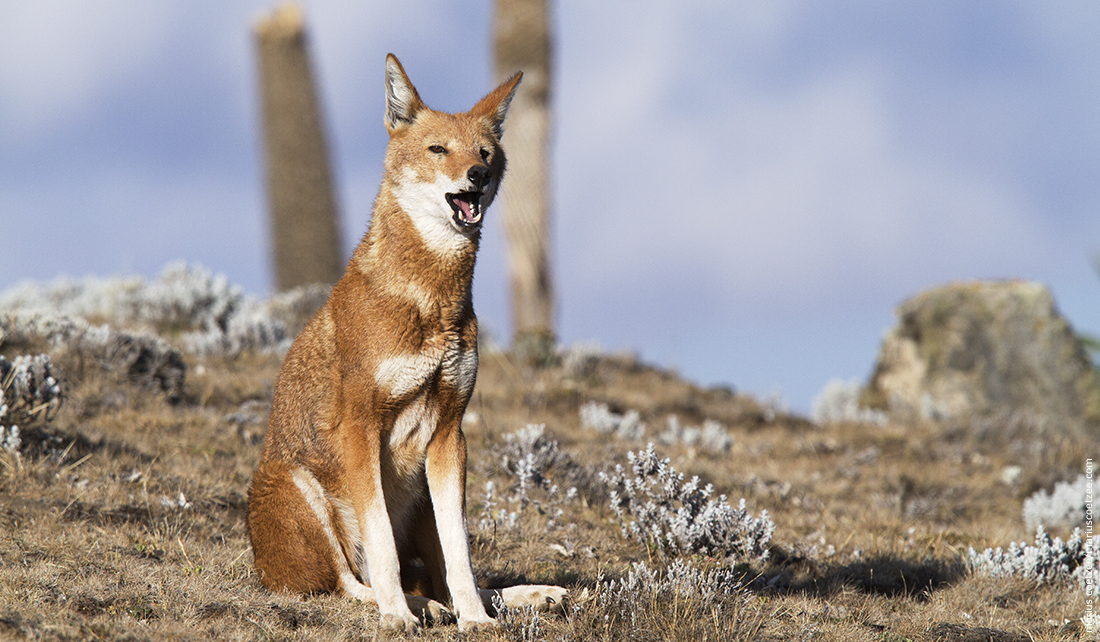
column 376, row 530
column 446, row 472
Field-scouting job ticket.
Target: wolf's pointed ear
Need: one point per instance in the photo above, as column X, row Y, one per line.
column 494, row 106
column 402, row 100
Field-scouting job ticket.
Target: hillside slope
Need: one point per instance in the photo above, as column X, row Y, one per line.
column 122, row 513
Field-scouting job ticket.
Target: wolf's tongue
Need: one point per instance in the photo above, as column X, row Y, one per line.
column 466, row 207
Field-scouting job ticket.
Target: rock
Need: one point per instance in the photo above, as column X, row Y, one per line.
column 983, row 348
column 148, row 360
column 141, row 357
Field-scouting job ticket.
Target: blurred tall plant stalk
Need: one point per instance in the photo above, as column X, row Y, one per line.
column 304, row 225
column 522, row 40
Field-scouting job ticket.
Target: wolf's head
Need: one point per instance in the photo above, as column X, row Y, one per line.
column 444, row 168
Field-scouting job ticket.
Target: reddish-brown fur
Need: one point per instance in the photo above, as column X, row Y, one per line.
column 284, row 526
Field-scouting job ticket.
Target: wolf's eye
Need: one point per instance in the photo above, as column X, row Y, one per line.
column 437, row 149
column 484, row 154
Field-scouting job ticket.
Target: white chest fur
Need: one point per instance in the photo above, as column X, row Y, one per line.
column 409, row 375
column 406, row 373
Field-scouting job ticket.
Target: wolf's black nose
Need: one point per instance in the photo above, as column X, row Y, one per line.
column 478, row 175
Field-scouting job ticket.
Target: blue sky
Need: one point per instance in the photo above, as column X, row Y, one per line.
column 743, row 190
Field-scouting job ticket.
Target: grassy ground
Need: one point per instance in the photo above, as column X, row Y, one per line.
column 123, row 518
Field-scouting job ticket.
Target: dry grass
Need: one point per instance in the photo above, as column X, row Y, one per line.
column 124, row 517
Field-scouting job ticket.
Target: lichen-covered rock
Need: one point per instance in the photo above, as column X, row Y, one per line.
column 143, row 357
column 203, row 311
column 984, row 348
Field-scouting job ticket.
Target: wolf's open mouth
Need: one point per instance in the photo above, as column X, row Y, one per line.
column 467, row 208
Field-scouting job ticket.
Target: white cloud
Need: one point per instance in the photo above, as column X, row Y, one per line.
column 58, row 56
column 771, row 193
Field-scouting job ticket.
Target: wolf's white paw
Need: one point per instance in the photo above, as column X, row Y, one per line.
column 400, row 623
column 542, row 597
column 471, row 624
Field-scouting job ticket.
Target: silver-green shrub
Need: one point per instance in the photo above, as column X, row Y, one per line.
column 838, row 402
column 711, row 596
column 1049, row 561
column 655, row 506
column 712, row 437
column 210, row 315
column 1064, row 507
column 599, row 417
column 526, row 457
column 679, row 579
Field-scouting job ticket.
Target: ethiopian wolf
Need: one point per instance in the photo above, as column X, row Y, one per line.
column 363, row 468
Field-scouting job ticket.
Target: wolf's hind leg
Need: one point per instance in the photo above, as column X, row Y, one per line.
column 543, row 598
column 291, row 549
column 293, row 539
